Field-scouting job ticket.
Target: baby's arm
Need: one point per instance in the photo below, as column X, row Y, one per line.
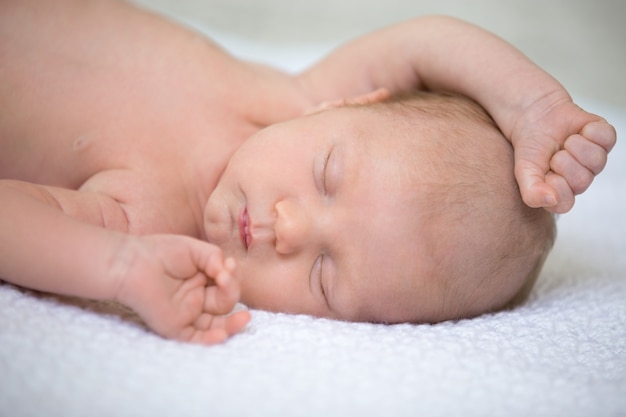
column 175, row 283
column 559, row 148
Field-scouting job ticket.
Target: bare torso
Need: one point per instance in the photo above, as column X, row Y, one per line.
column 127, row 105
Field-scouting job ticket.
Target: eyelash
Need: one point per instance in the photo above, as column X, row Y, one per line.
column 324, row 171
column 321, row 268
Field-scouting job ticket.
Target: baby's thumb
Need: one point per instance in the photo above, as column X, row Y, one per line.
column 535, row 191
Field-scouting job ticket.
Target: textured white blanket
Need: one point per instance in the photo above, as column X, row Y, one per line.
column 562, row 354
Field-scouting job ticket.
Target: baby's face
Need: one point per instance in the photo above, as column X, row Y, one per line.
column 317, row 217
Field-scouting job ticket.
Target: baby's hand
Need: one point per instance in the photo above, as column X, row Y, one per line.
column 559, row 149
column 181, row 287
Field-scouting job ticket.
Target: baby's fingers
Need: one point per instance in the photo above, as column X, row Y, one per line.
column 222, row 297
column 531, row 178
column 601, row 133
column 575, row 174
column 210, row 330
column 232, row 323
column 565, row 195
column 589, row 154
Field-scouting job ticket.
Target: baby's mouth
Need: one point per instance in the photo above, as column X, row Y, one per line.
column 244, row 228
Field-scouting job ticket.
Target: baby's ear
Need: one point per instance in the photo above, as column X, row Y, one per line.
column 375, row 96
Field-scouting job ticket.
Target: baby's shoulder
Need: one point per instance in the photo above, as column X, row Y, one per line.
column 150, row 205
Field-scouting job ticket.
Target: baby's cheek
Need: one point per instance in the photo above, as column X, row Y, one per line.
column 254, row 288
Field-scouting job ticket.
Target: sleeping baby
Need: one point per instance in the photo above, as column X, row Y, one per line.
column 405, row 210
column 142, row 164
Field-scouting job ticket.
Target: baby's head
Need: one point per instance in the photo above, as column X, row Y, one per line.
column 399, row 211
column 485, row 246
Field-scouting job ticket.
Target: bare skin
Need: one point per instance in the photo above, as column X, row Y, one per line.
column 117, row 125
column 143, row 157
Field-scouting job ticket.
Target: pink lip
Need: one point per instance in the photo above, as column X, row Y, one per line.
column 244, row 228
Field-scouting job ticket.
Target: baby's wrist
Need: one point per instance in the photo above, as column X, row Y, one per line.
column 123, row 259
column 529, row 111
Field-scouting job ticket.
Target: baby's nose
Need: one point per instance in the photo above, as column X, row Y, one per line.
column 292, row 228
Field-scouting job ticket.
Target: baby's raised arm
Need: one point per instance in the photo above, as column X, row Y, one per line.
column 180, row 286
column 559, row 148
